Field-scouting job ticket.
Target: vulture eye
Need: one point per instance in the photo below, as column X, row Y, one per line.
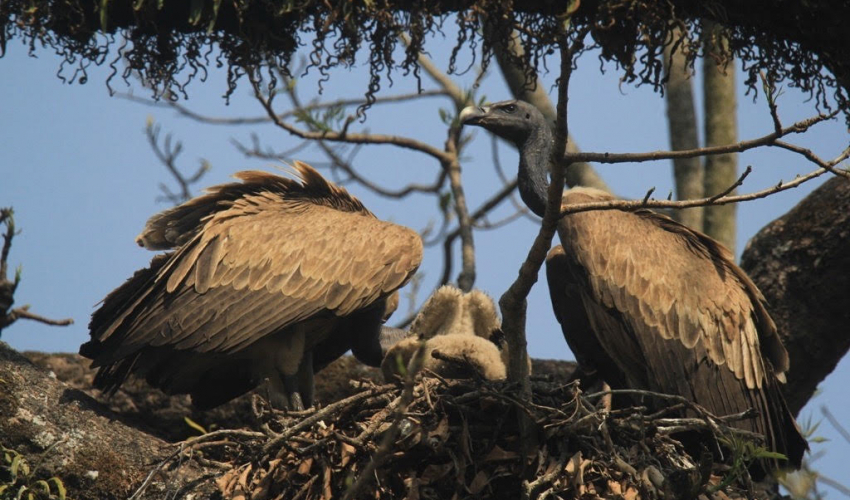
column 510, row 108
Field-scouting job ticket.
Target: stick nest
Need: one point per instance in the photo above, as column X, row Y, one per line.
column 445, row 439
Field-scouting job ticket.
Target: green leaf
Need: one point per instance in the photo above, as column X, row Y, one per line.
column 13, row 470
column 191, row 423
column 43, row 484
column 60, row 488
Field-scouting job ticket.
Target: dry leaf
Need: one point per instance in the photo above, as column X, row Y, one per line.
column 497, row 453
column 412, row 485
column 631, row 494
column 305, row 466
column 614, row 487
column 479, row 482
column 347, row 452
column 327, row 493
column 434, row 472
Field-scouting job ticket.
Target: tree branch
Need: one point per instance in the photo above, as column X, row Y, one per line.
column 345, row 136
column 767, row 140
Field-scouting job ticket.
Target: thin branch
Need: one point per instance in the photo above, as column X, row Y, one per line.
column 256, row 120
column 348, row 168
column 466, row 278
column 767, row 140
column 835, row 423
column 635, row 205
column 167, row 155
column 23, row 313
column 344, row 136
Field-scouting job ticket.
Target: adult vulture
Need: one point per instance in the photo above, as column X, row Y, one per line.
column 649, row 303
column 267, row 280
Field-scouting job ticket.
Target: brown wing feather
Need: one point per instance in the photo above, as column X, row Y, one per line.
column 264, row 260
column 676, row 315
column 674, row 283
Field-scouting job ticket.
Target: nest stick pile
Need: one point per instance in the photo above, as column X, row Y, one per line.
column 454, row 439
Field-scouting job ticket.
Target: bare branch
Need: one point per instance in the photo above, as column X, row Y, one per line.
column 167, row 155
column 344, row 136
column 635, row 205
column 257, row 120
column 7, row 287
column 23, row 313
column 348, row 168
column 835, row 423
column 767, row 140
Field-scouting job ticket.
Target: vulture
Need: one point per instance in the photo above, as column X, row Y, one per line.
column 459, row 325
column 648, row 303
column 265, row 281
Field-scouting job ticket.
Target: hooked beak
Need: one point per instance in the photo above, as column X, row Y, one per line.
column 473, row 115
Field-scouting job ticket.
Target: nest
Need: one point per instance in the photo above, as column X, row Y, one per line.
column 439, row 438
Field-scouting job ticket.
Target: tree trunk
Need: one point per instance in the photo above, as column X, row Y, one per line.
column 681, row 117
column 69, row 435
column 721, row 171
column 801, row 264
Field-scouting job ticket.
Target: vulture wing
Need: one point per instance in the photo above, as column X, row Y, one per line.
column 672, row 311
column 262, row 255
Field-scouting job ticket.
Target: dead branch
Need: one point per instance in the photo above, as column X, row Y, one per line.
column 175, row 105
column 739, row 147
column 344, row 135
column 167, row 155
column 823, row 167
column 7, row 287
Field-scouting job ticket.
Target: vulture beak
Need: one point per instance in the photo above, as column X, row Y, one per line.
column 472, row 115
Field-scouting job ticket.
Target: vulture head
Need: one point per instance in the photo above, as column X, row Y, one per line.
column 516, row 121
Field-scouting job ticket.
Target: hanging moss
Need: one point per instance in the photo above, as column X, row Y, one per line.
column 170, row 43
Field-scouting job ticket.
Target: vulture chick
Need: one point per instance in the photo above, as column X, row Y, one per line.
column 267, row 280
column 649, row 303
column 458, row 326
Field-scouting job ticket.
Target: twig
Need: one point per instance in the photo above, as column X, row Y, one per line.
column 392, row 433
column 701, row 202
column 167, row 155
column 353, row 138
column 835, row 423
column 349, row 168
column 529, row 489
column 834, row 484
column 184, row 111
column 23, row 313
column 323, row 413
column 767, row 140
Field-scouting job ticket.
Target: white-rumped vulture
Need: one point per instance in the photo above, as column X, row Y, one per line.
column 267, row 280
column 650, row 304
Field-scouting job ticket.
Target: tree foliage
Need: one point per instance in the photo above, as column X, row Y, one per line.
column 171, row 43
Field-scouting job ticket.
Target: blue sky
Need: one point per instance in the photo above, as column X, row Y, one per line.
column 76, row 166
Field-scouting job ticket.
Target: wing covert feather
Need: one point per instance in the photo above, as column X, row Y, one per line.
column 672, row 283
column 264, row 263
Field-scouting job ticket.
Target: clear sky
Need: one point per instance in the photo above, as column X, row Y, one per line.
column 76, row 166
